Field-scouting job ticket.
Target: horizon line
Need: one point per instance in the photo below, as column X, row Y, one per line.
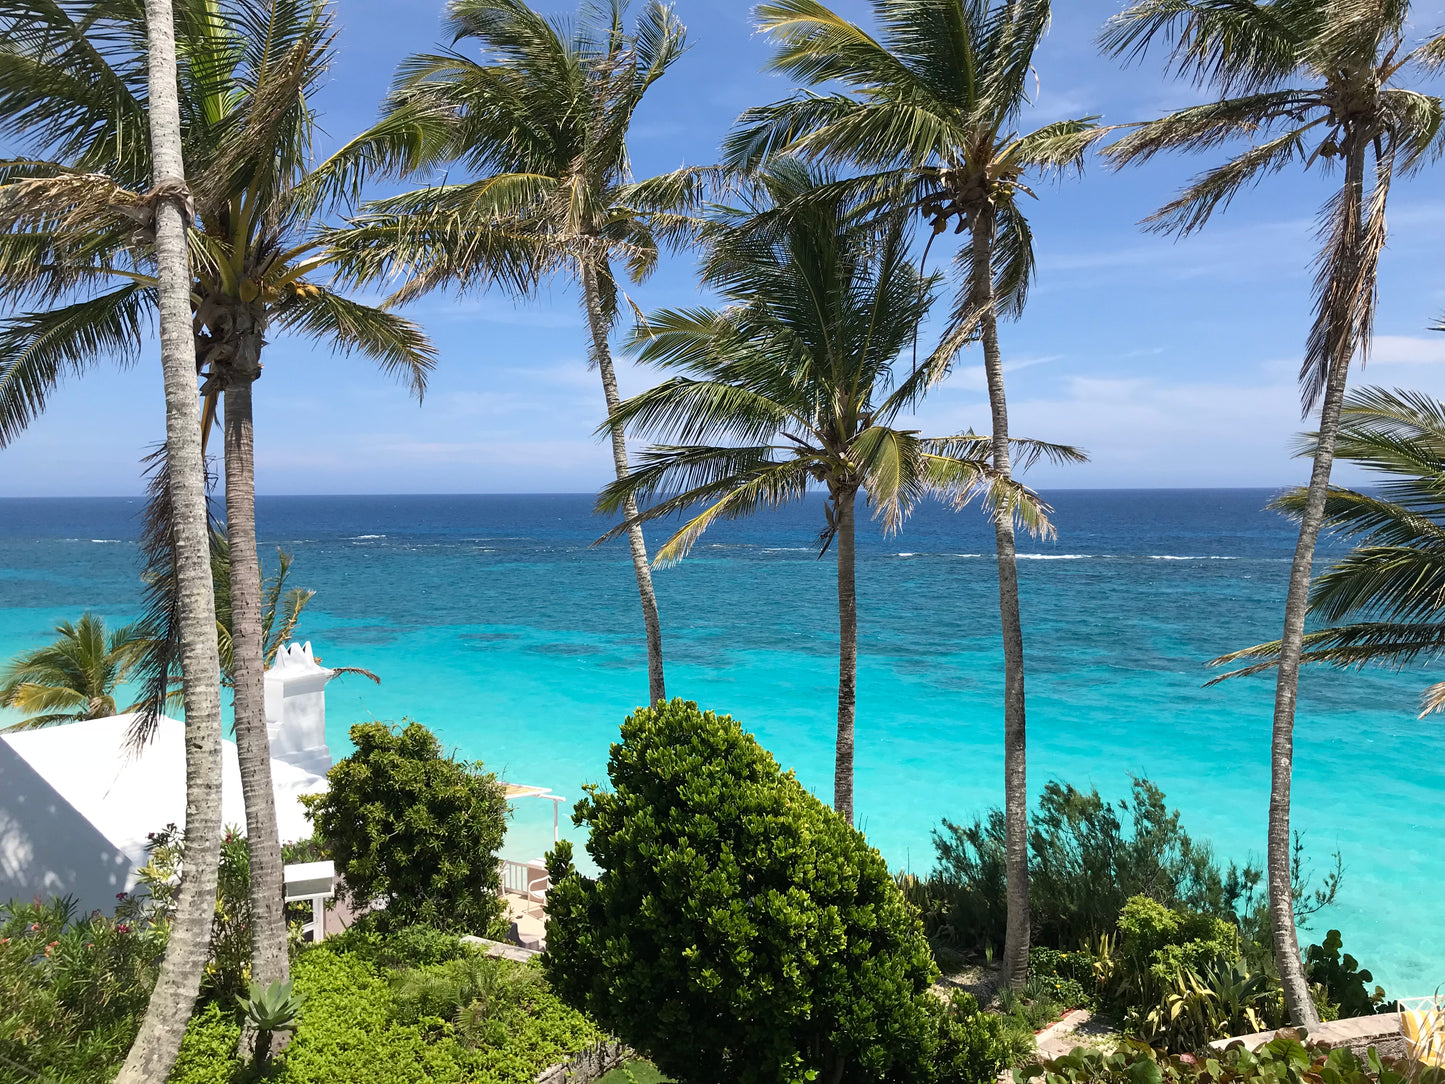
column 593, row 493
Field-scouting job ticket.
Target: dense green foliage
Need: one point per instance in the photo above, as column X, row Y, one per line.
column 72, row 988
column 1345, row 983
column 1283, row 1060
column 740, row 930
column 1134, row 917
column 360, row 1023
column 417, row 829
column 409, row 946
column 228, row 967
column 1177, row 978
column 1087, row 856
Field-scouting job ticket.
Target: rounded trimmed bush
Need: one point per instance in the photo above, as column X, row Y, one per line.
column 740, row 930
column 421, row 830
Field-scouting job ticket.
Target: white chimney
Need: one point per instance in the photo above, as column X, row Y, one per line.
column 296, row 709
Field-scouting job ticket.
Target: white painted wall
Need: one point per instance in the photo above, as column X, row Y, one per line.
column 76, row 803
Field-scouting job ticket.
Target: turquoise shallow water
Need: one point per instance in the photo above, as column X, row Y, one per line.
column 492, row 620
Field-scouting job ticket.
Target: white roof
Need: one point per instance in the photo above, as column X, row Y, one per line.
column 126, row 796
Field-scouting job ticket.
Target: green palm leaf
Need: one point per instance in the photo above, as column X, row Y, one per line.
column 38, row 350
column 1385, row 599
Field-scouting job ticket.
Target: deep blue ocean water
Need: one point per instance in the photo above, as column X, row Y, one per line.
column 495, row 621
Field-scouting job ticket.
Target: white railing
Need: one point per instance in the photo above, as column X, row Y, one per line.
column 515, row 876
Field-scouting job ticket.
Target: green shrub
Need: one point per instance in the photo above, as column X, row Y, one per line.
column 351, row 1031
column 228, row 967
column 409, row 946
column 740, row 930
column 1159, row 940
column 1282, row 1060
column 1345, row 985
column 1177, row 979
column 414, row 828
column 974, row 1045
column 1085, row 861
column 73, row 989
column 1066, row 978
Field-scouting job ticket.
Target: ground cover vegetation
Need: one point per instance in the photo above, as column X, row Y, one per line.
column 113, row 105
column 1288, row 1058
column 1136, row 919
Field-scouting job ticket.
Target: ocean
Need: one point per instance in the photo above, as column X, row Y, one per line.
column 495, row 621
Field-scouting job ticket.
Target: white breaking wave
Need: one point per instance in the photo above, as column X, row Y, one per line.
column 1171, row 557
column 360, row 537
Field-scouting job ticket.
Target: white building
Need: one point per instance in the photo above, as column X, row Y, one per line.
column 76, row 804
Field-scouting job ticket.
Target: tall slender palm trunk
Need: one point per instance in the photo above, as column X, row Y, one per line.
column 602, row 355
column 1286, row 694
column 269, row 962
column 844, row 519
column 1015, row 731
column 154, row 1051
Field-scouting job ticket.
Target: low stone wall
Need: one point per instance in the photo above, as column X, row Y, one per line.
column 1358, row 1033
column 501, row 948
column 587, row 1066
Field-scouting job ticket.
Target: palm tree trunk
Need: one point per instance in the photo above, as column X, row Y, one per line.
column 602, row 355
column 154, row 1051
column 269, row 961
column 847, row 653
column 1280, row 883
column 1015, row 754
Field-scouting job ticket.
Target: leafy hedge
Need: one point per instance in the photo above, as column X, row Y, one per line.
column 72, row 988
column 743, row 931
column 1285, row 1059
column 419, row 829
column 354, row 1030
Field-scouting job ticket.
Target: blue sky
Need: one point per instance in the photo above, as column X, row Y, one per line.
column 1172, row 363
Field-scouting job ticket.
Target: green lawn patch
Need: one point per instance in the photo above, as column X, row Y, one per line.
column 634, row 1072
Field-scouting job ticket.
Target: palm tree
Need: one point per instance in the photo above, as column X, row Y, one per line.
column 930, row 109
column 543, row 121
column 69, row 90
column 158, row 1041
column 1316, row 82
column 75, row 677
column 792, row 385
column 1381, row 602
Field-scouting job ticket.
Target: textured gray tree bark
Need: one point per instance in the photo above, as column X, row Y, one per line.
column 845, row 518
column 1016, row 796
column 602, row 355
column 269, row 958
column 1286, row 694
column 154, row 1051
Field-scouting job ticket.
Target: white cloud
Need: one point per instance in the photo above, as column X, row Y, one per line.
column 1145, row 432
column 1407, row 350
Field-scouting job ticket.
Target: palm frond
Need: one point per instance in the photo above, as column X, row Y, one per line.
column 1234, row 46
column 39, row 349
column 1216, row 189
column 397, row 345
